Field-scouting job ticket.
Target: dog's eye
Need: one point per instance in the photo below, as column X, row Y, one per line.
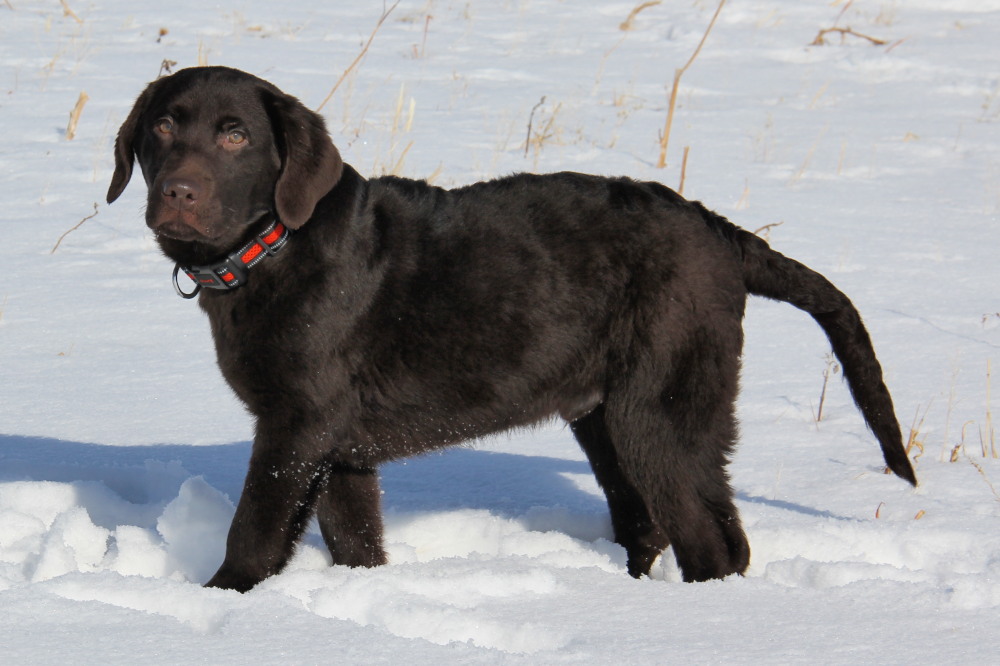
column 165, row 126
column 236, row 137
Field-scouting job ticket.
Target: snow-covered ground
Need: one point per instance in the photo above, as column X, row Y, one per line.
column 122, row 451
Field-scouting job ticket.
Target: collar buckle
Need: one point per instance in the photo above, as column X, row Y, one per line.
column 228, row 274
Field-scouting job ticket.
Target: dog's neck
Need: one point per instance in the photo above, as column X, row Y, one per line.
column 232, row 272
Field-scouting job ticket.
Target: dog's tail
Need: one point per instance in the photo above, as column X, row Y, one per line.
column 770, row 274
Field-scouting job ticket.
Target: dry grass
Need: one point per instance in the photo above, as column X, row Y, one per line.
column 74, row 228
column 965, row 448
column 531, row 120
column 422, row 51
column 765, row 231
column 402, row 123
column 915, row 442
column 684, row 168
column 76, row 48
column 364, row 50
column 844, row 33
column 832, row 368
column 848, row 32
column 959, row 449
column 626, row 25
column 744, row 201
column 69, row 12
column 814, row 103
column 74, row 115
column 167, row 66
column 545, row 132
column 661, row 162
column 809, row 156
column 982, row 473
column 987, row 433
column 887, row 14
column 959, row 452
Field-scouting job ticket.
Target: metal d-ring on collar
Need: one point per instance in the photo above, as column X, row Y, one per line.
column 177, row 287
column 232, row 271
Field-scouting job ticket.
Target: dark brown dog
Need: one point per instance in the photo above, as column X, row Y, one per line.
column 397, row 317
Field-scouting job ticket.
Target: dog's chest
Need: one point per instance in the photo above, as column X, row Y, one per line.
column 248, row 346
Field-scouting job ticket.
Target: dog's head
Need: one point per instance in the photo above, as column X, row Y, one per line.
column 220, row 149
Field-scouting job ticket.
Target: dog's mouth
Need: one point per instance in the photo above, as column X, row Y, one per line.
column 177, row 231
column 181, row 226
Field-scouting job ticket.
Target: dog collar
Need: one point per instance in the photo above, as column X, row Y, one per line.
column 232, row 272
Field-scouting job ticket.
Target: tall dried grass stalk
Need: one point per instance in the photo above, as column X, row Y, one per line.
column 665, row 136
column 360, row 55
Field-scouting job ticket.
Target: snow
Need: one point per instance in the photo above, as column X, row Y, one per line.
column 122, row 451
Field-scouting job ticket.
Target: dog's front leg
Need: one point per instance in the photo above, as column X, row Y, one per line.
column 285, row 476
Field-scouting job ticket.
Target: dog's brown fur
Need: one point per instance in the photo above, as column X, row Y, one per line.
column 403, row 317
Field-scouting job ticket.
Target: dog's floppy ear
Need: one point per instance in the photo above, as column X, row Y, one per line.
column 310, row 163
column 125, row 146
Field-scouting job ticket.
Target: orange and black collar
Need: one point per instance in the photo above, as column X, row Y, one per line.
column 232, row 271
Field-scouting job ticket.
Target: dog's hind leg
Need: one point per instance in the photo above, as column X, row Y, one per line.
column 673, row 440
column 350, row 518
column 634, row 528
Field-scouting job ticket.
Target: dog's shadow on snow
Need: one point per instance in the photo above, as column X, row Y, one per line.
column 505, row 484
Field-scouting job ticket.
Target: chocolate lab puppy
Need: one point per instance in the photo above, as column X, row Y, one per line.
column 364, row 320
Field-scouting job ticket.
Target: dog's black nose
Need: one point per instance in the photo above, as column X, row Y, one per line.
column 181, row 193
